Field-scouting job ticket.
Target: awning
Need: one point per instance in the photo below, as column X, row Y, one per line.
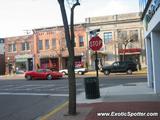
column 131, row 50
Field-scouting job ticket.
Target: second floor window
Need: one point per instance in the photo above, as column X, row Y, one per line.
column 25, row 46
column 47, row 44
column 107, row 37
column 81, row 41
column 53, row 43
column 40, row 47
column 12, row 47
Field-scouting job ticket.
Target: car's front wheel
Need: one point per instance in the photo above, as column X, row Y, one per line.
column 129, row 71
column 28, row 77
column 49, row 77
column 64, row 73
column 106, row 72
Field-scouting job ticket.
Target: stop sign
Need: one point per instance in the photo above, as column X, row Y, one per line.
column 95, row 43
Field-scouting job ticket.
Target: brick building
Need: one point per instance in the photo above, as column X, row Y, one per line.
column 2, row 57
column 19, row 53
column 50, row 47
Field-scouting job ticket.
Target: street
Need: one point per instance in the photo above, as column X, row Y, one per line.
column 28, row 100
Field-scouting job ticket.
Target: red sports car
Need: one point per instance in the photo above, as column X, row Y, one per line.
column 43, row 74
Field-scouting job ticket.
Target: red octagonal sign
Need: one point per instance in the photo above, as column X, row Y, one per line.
column 95, row 43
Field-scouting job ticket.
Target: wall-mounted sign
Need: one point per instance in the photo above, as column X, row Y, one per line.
column 151, row 11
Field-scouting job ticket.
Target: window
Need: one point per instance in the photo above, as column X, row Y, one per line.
column 134, row 35
column 107, row 37
column 25, row 46
column 53, row 43
column 81, row 41
column 12, row 47
column 47, row 44
column 40, row 47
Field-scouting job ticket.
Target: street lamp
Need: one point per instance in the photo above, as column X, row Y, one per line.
column 9, row 68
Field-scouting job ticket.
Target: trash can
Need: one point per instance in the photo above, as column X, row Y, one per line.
column 91, row 87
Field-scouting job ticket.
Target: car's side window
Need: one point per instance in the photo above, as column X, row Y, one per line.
column 122, row 64
column 116, row 64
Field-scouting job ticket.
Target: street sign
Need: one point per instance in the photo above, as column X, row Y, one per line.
column 95, row 43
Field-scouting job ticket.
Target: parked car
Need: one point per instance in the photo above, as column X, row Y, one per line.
column 79, row 71
column 125, row 66
column 43, row 74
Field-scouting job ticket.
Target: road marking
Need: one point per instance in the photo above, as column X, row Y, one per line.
column 51, row 113
column 38, row 94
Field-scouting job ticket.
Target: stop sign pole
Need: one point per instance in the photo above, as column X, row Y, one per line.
column 95, row 44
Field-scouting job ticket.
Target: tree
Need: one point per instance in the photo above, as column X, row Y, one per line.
column 69, row 35
column 125, row 39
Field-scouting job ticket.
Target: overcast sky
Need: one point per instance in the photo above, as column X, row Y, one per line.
column 19, row 15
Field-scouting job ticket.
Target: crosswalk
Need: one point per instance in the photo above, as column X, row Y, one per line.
column 37, row 89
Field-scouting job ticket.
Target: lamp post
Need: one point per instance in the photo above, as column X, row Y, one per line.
column 9, row 67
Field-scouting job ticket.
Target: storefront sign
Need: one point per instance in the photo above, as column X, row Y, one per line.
column 153, row 8
column 23, row 58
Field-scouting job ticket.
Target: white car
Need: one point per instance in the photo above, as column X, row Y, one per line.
column 79, row 71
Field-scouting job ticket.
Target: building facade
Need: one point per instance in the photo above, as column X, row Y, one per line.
column 50, row 48
column 19, row 53
column 122, row 37
column 2, row 57
column 151, row 20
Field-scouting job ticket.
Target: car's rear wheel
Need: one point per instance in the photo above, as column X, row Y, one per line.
column 28, row 77
column 106, row 72
column 49, row 77
column 129, row 71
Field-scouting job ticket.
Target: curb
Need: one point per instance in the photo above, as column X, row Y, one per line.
column 53, row 112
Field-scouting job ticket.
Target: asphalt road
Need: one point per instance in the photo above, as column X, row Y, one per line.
column 28, row 100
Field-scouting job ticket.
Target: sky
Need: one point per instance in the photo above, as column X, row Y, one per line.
column 17, row 16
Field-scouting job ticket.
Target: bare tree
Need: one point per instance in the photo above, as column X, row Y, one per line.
column 125, row 39
column 70, row 46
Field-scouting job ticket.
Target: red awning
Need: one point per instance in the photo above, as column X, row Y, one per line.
column 131, row 50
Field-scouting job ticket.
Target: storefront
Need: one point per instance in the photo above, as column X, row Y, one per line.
column 151, row 21
column 50, row 63
column 132, row 54
column 24, row 62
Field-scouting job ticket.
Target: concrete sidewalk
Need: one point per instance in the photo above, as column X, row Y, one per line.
column 12, row 77
column 122, row 102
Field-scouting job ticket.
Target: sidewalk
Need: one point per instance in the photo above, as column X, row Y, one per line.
column 12, row 77
column 123, row 102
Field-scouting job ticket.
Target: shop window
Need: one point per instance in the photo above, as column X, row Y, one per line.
column 40, row 47
column 107, row 37
column 81, row 41
column 47, row 44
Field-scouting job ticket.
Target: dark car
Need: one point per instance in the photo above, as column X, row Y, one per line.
column 125, row 66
